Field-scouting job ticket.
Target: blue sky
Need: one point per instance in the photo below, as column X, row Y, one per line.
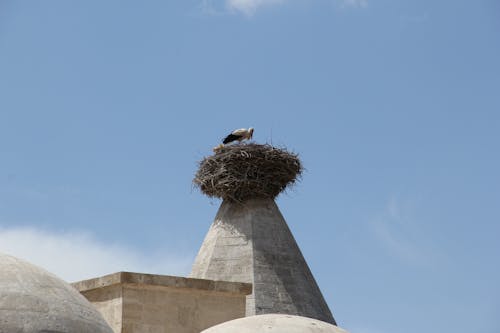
column 394, row 107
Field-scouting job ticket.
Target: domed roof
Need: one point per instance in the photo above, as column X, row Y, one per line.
column 275, row 323
column 33, row 300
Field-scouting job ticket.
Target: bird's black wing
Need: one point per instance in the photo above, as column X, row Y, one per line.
column 231, row 138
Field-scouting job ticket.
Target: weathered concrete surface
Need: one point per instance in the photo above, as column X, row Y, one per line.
column 33, row 300
column 109, row 302
column 252, row 243
column 275, row 323
column 139, row 303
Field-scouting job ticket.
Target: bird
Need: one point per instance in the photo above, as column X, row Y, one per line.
column 239, row 134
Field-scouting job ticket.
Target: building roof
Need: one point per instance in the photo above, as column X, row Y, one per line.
column 275, row 323
column 34, row 300
column 163, row 281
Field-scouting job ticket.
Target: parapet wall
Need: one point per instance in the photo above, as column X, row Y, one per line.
column 138, row 303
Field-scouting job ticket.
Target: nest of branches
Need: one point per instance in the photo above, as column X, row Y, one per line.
column 245, row 171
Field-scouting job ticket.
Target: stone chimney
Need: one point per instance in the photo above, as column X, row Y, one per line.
column 249, row 240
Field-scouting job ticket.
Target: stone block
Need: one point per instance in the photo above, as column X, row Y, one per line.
column 147, row 303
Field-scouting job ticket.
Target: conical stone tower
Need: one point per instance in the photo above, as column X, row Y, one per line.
column 249, row 240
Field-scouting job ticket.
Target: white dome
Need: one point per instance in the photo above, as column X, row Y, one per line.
column 33, row 300
column 275, row 323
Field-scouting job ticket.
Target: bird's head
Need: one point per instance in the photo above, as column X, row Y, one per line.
column 250, row 132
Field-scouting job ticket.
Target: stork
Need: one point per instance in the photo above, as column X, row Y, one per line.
column 236, row 135
column 239, row 134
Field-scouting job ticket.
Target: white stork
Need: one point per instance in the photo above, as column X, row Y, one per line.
column 239, row 134
column 236, row 135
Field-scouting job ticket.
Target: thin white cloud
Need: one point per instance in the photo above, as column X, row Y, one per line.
column 207, row 7
column 249, row 7
column 245, row 7
column 76, row 256
column 399, row 233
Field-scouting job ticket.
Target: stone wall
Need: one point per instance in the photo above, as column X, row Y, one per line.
column 140, row 303
column 108, row 301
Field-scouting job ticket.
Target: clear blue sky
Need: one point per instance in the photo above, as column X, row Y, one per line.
column 394, row 107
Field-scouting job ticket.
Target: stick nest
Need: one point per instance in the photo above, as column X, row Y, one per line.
column 245, row 171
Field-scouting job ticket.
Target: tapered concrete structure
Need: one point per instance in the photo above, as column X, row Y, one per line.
column 251, row 242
